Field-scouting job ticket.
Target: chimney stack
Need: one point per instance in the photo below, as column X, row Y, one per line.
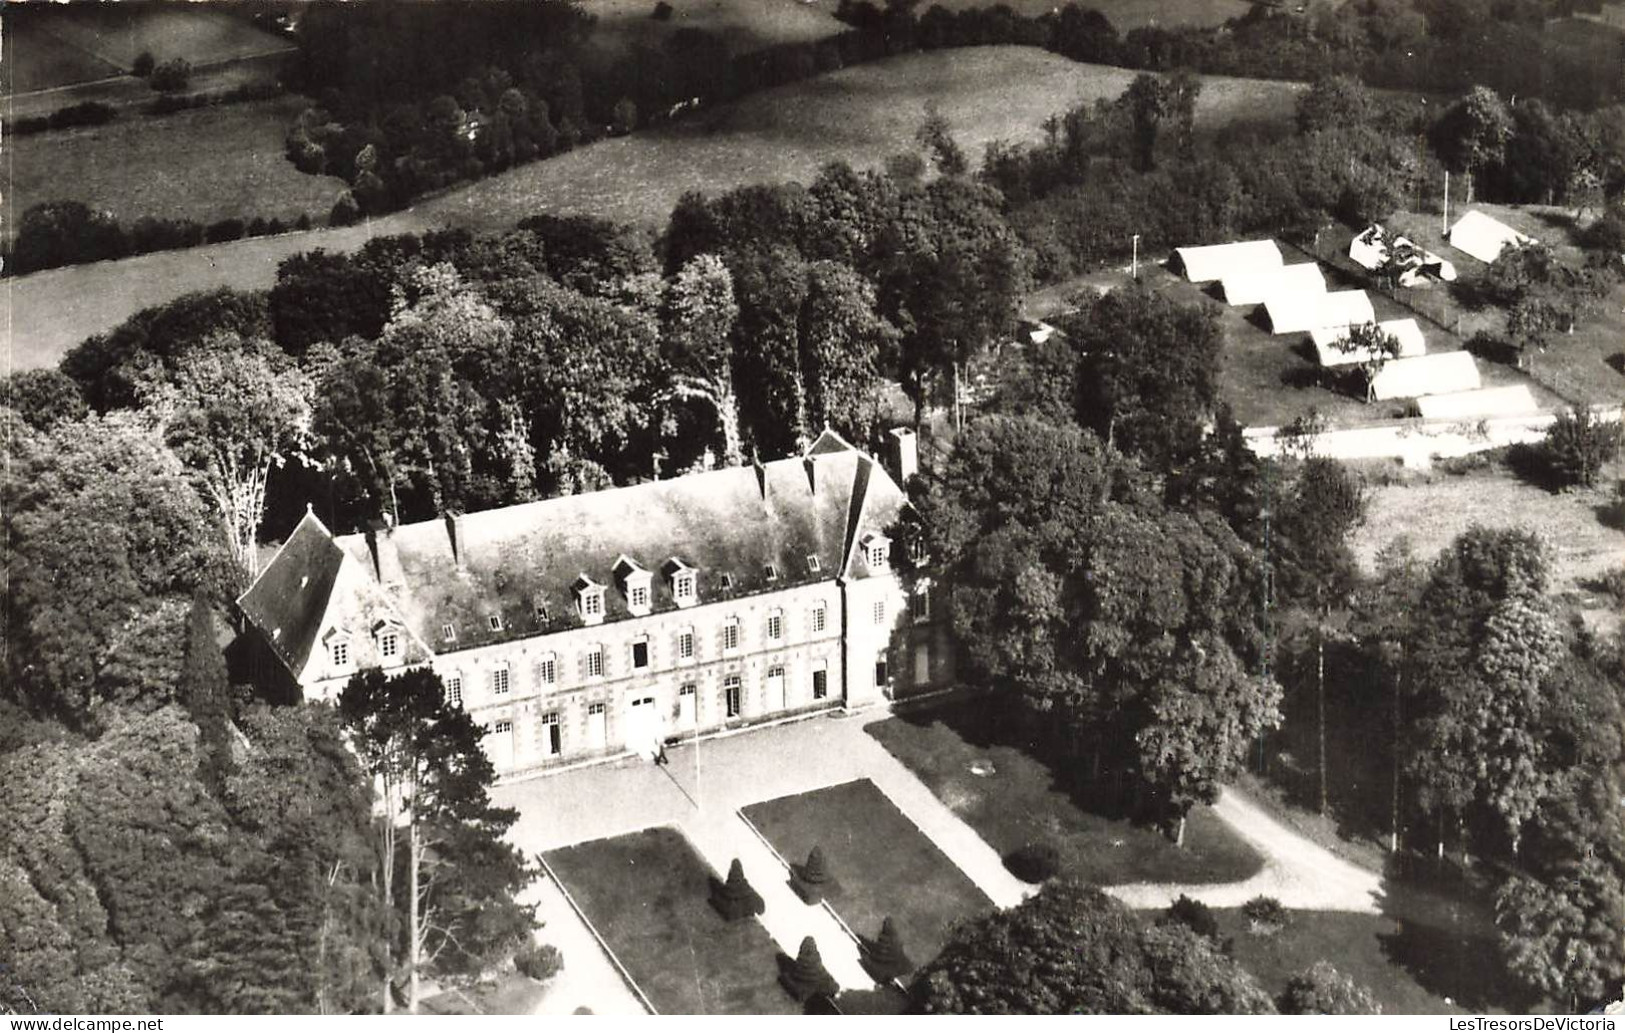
column 459, row 547
column 904, row 454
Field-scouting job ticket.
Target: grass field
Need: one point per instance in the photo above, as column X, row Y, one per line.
column 1011, row 799
column 1131, row 14
column 858, row 114
column 647, row 895
column 153, row 166
column 885, row 865
column 58, row 45
column 745, row 24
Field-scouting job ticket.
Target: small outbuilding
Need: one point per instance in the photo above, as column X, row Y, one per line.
column 1255, row 286
column 1216, row 261
column 1485, row 402
column 1411, row 342
column 1301, row 313
column 1485, row 238
column 1444, row 373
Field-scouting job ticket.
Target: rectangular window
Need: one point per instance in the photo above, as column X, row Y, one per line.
column 340, row 652
column 820, row 683
column 389, row 645
column 877, row 556
column 880, row 611
column 882, row 677
column 922, row 604
column 552, row 735
column 454, row 690
column 730, row 635
column 819, row 618
column 541, row 613
column 499, row 681
column 682, row 587
column 813, row 566
column 448, row 632
column 640, row 654
column 595, row 662
column 638, row 598
column 775, row 626
column 592, row 604
column 494, row 622
column 727, row 582
column 770, row 572
column 685, row 645
column 503, row 727
column 547, row 670
column 731, row 694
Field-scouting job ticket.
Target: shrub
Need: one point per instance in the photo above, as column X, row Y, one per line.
column 144, row 64
column 1491, row 348
column 1611, row 583
column 736, row 898
column 886, row 959
column 1265, row 915
column 345, row 211
column 172, row 76
column 225, row 229
column 1193, row 915
column 812, row 881
column 257, row 227
column 1034, row 862
column 539, row 961
column 806, row 976
column 1578, row 444
column 55, row 233
column 662, row 12
column 1322, row 990
column 302, row 223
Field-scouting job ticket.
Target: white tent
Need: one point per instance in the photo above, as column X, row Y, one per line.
column 1369, row 249
column 1325, row 338
column 1489, row 401
column 1215, row 261
column 1483, row 237
column 1299, row 313
column 1426, row 375
column 1254, row 286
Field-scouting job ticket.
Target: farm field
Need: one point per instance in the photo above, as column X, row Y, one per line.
column 858, row 114
column 142, row 165
column 884, row 864
column 66, row 44
column 1012, row 798
column 745, row 24
column 647, row 895
column 128, row 92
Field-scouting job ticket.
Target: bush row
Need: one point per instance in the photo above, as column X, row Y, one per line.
column 90, row 113
column 58, row 233
column 170, row 103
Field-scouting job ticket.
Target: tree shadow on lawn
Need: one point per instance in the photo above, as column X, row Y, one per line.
column 1446, row 937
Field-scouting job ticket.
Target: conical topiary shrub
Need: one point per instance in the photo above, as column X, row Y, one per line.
column 806, row 976
column 812, row 881
column 736, row 898
column 885, row 958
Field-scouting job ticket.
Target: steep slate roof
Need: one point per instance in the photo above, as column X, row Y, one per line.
column 732, row 522
column 288, row 600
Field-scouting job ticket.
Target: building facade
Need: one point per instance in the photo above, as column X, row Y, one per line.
column 591, row 625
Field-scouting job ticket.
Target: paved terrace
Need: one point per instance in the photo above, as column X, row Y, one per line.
column 706, row 783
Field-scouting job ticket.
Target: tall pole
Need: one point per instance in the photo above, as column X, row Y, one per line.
column 1445, row 228
column 1134, row 264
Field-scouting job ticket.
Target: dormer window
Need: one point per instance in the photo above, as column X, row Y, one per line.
column 339, row 652
column 813, row 566
column 448, row 632
column 770, row 572
column 589, row 599
column 876, row 551
column 727, row 582
column 494, row 622
column 389, row 645
column 635, row 584
column 684, row 584
column 682, row 587
column 541, row 612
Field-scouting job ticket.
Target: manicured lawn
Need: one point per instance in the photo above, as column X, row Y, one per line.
column 646, row 893
column 1019, row 799
column 1411, row 965
column 206, row 164
column 885, row 865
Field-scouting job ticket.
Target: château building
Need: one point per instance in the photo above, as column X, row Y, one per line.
column 594, row 624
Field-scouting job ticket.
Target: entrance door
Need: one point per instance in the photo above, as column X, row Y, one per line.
column 499, row 745
column 775, row 688
column 596, row 735
column 642, row 726
column 922, row 664
column 688, row 717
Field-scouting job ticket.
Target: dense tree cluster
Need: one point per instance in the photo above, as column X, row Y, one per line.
column 1071, row 949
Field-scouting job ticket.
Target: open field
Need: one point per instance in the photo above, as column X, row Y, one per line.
column 1131, row 14
column 108, row 37
column 647, row 894
column 1432, row 511
column 746, row 24
column 1011, row 799
column 129, row 93
column 858, row 114
column 153, row 166
column 884, row 864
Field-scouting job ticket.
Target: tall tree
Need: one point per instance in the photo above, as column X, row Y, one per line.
column 1472, row 136
column 700, row 314
column 842, row 341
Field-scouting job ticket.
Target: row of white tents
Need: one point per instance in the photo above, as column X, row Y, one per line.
column 1296, row 301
